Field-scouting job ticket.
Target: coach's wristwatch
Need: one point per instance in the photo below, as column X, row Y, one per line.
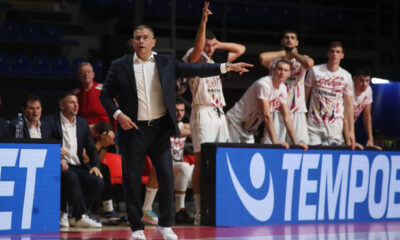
column 227, row 66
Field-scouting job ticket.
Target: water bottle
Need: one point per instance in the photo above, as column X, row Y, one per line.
column 19, row 127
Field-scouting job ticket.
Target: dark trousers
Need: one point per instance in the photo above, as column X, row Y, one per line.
column 154, row 141
column 106, row 194
column 79, row 189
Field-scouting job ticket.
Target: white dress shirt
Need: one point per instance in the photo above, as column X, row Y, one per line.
column 34, row 131
column 151, row 103
column 70, row 141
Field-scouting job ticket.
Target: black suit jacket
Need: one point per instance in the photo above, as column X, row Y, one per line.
column 120, row 83
column 45, row 129
column 83, row 135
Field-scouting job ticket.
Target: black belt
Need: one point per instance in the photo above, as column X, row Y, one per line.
column 150, row 123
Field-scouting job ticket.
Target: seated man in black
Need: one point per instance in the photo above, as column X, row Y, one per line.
column 34, row 127
column 103, row 136
column 81, row 183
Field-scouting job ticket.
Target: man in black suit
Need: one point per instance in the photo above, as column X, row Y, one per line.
column 81, row 183
column 143, row 85
column 34, row 126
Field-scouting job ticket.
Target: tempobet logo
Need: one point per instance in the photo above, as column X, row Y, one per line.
column 278, row 186
column 32, row 160
column 260, row 209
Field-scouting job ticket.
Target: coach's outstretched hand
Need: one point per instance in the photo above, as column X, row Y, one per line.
column 239, row 67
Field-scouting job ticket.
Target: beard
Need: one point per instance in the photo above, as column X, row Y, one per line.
column 287, row 48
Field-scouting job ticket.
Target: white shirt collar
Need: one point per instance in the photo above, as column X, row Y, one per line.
column 29, row 125
column 64, row 120
column 136, row 59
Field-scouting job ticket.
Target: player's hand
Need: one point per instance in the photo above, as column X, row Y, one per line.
column 284, row 144
column 290, row 53
column 96, row 171
column 206, row 12
column 359, row 146
column 126, row 122
column 302, row 145
column 283, row 53
column 64, row 166
column 240, row 67
column 370, row 143
column 351, row 142
column 293, row 52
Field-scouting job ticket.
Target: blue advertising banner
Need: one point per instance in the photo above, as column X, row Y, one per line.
column 29, row 188
column 258, row 186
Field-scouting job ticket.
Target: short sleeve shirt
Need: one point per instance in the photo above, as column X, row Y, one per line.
column 247, row 111
column 360, row 102
column 328, row 89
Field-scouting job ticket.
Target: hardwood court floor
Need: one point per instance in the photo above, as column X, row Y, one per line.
column 333, row 231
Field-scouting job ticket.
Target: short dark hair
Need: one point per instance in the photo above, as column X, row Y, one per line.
column 65, row 95
column 362, row 72
column 102, row 127
column 289, row 31
column 336, row 44
column 142, row 27
column 210, row 35
column 179, row 101
column 31, row 98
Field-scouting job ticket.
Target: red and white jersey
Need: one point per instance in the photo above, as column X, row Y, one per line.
column 328, row 88
column 206, row 91
column 295, row 85
column 247, row 111
column 177, row 147
column 361, row 101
